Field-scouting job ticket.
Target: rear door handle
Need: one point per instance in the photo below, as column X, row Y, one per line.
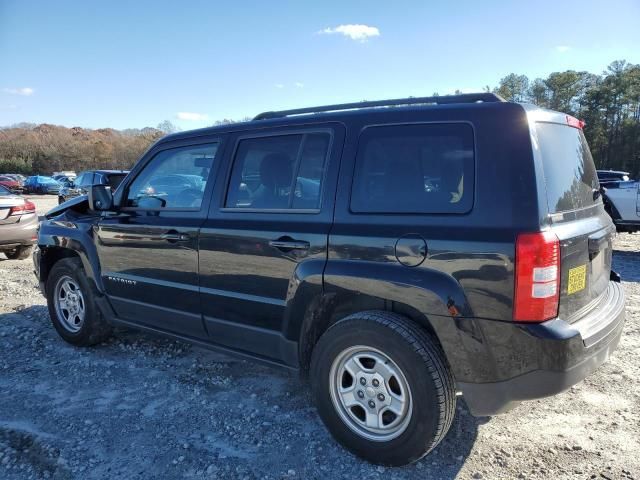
column 287, row 244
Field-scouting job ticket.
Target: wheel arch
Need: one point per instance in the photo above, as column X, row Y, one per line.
column 56, row 242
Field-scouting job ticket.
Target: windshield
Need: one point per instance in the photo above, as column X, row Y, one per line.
column 569, row 172
column 4, row 191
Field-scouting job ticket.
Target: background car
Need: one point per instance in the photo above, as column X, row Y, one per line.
column 79, row 186
column 622, row 202
column 607, row 176
column 62, row 178
column 10, row 183
column 15, row 176
column 18, row 225
column 42, row 185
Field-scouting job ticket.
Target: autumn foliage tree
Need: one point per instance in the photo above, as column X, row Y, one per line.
column 43, row 149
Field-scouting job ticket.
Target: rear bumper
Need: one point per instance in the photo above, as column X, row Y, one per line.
column 564, row 353
column 21, row 233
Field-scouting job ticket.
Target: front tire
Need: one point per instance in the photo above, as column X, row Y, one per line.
column 383, row 387
column 72, row 307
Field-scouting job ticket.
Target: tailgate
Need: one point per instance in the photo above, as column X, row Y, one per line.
column 577, row 216
column 585, row 265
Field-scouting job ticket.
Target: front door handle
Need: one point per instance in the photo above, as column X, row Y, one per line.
column 286, row 244
column 174, row 237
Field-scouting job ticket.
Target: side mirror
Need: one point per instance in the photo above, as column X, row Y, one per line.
column 100, row 198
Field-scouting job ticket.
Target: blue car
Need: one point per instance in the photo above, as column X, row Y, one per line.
column 42, row 185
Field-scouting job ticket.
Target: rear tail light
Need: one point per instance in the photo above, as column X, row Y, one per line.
column 26, row 207
column 537, row 277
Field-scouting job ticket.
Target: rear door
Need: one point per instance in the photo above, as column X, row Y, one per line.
column 577, row 217
column 267, row 233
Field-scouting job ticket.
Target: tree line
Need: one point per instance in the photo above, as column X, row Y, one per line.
column 609, row 103
column 43, row 149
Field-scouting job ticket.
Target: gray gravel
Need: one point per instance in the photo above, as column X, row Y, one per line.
column 142, row 407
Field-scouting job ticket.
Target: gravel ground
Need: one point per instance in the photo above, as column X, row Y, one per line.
column 142, row 407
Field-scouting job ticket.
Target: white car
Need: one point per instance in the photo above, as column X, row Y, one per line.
column 622, row 202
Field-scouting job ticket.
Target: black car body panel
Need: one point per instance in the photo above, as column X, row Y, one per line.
column 266, row 283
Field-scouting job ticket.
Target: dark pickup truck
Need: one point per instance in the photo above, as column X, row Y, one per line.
column 396, row 255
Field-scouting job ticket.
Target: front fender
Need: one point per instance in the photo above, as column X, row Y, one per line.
column 71, row 232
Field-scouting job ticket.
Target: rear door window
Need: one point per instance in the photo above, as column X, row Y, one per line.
column 279, row 172
column 426, row 168
column 569, row 172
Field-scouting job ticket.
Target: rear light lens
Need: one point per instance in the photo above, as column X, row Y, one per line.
column 26, row 207
column 537, row 277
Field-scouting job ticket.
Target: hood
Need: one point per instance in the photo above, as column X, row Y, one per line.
column 79, row 204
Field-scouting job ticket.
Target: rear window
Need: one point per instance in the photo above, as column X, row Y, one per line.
column 414, row 169
column 569, row 172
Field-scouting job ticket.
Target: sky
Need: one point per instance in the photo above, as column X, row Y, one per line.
column 131, row 64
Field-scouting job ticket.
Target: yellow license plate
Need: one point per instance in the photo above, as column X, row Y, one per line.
column 577, row 279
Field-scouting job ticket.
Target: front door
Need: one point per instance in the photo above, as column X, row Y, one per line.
column 149, row 249
column 266, row 234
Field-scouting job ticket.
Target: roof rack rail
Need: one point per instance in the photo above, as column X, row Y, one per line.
column 438, row 100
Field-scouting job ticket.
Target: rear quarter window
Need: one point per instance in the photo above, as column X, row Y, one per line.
column 569, row 172
column 426, row 168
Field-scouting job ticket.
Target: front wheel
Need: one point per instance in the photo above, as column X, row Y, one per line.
column 72, row 307
column 383, row 387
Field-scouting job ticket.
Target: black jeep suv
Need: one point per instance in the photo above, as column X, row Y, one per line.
column 398, row 255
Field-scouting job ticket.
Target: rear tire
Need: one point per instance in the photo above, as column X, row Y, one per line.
column 72, row 307
column 20, row 253
column 383, row 387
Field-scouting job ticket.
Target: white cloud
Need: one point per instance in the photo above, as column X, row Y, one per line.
column 357, row 32
column 192, row 116
column 279, row 85
column 563, row 48
column 299, row 85
column 24, row 91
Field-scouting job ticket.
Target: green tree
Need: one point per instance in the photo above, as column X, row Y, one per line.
column 513, row 88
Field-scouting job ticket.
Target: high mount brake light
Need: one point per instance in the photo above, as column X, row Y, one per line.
column 537, row 277
column 574, row 122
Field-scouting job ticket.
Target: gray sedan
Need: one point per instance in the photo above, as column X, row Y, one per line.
column 18, row 225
